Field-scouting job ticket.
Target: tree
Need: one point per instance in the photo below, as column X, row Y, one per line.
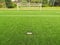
column 10, row 4
column 2, row 0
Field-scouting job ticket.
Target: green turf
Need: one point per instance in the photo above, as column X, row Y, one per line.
column 13, row 29
column 29, row 12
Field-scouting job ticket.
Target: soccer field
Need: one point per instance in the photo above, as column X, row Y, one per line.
column 44, row 25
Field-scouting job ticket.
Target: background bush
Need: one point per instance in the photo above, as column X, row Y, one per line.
column 1, row 5
column 10, row 4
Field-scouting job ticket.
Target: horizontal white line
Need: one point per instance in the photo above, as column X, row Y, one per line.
column 34, row 15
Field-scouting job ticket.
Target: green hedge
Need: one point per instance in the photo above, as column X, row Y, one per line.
column 10, row 4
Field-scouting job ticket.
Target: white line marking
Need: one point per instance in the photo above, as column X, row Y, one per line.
column 33, row 15
column 57, row 12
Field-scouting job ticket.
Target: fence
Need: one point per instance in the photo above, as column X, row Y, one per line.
column 30, row 4
column 20, row 4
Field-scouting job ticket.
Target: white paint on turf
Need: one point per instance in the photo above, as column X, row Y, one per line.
column 29, row 33
column 33, row 15
column 58, row 12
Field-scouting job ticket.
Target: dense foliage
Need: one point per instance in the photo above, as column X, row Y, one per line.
column 9, row 3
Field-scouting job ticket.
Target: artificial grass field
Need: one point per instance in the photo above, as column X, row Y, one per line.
column 44, row 24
